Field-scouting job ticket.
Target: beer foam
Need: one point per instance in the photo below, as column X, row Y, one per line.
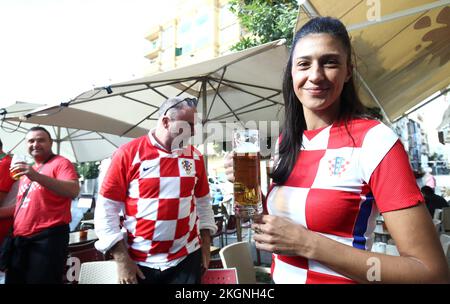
column 247, row 147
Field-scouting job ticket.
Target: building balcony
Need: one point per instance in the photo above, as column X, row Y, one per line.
column 153, row 54
column 154, row 33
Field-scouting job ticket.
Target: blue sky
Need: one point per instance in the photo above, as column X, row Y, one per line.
column 52, row 50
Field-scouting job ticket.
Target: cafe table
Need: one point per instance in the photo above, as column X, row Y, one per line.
column 81, row 249
column 82, row 237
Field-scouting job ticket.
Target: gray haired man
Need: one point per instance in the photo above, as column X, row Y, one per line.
column 160, row 184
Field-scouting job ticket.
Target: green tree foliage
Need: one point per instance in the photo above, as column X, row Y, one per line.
column 265, row 20
column 88, row 170
column 218, row 148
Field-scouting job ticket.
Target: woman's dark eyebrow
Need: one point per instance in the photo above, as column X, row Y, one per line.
column 331, row 56
column 303, row 57
column 327, row 56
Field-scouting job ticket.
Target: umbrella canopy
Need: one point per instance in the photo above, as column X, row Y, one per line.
column 68, row 117
column 10, row 134
column 236, row 88
column 75, row 144
column 402, row 48
column 18, row 109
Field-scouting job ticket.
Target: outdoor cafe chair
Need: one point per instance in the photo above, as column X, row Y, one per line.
column 226, row 223
column 237, row 255
column 437, row 214
column 220, row 276
column 78, row 254
column 103, row 272
column 215, row 263
column 445, row 226
column 445, row 243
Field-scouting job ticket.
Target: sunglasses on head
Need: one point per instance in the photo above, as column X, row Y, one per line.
column 190, row 101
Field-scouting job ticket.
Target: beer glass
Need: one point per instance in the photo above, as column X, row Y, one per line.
column 16, row 159
column 247, row 183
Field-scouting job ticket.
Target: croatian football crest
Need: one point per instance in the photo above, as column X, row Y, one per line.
column 337, row 166
column 187, row 166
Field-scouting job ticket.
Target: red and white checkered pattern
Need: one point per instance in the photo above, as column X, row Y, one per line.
column 162, row 192
column 331, row 191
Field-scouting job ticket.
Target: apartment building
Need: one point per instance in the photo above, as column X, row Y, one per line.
column 199, row 30
column 414, row 139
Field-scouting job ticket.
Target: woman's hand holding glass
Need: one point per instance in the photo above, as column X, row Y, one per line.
column 281, row 235
column 228, row 165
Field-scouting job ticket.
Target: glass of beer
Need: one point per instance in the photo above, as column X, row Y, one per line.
column 17, row 159
column 247, row 175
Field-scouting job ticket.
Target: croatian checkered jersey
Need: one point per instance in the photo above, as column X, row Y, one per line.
column 165, row 200
column 337, row 188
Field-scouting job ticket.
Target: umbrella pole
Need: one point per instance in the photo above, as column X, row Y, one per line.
column 374, row 97
column 204, row 110
column 58, row 140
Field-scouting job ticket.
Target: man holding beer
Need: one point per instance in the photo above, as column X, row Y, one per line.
column 42, row 214
column 161, row 185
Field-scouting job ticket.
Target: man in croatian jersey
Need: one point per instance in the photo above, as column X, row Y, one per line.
column 161, row 186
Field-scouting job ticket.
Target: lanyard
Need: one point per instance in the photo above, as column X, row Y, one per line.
column 29, row 186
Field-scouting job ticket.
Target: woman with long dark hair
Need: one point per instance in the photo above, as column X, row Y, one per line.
column 335, row 170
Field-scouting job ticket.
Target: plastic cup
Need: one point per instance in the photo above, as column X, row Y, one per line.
column 17, row 159
column 83, row 234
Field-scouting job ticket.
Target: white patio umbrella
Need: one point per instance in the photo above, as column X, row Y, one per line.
column 76, row 144
column 236, row 88
column 10, row 134
column 68, row 117
column 17, row 109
